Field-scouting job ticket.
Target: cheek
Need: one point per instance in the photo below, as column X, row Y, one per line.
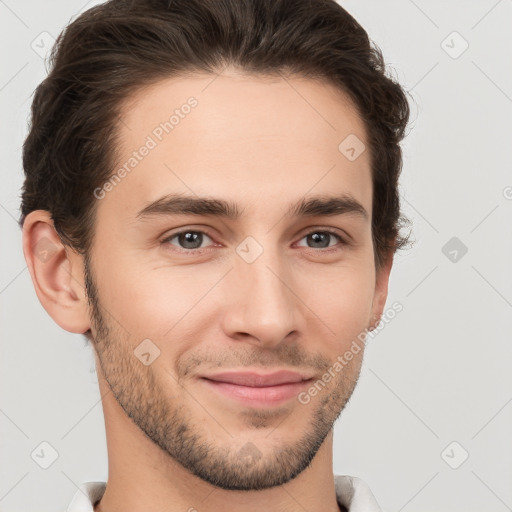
column 343, row 301
column 151, row 308
column 126, row 296
column 155, row 303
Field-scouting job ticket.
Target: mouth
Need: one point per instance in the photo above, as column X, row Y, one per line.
column 255, row 379
column 258, row 390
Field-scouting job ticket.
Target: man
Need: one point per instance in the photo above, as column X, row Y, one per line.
column 211, row 199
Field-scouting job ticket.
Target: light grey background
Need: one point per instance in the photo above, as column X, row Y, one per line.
column 439, row 372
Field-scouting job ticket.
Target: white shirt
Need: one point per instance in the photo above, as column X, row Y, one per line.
column 351, row 491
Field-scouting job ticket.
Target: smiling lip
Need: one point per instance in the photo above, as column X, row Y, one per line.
column 254, row 379
column 257, row 390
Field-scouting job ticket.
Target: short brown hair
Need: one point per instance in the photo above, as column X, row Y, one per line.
column 117, row 47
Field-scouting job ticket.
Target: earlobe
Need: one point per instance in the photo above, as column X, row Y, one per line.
column 55, row 272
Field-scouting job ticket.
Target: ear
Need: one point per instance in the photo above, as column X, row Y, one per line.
column 56, row 272
column 381, row 291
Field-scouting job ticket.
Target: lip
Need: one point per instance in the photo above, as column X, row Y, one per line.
column 254, row 379
column 257, row 390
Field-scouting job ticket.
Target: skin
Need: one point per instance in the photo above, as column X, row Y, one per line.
column 173, row 443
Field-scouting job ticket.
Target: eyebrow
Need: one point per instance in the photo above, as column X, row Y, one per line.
column 323, row 205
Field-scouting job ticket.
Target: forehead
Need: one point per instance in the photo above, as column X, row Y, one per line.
column 262, row 141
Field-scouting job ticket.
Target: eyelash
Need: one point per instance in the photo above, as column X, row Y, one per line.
column 342, row 241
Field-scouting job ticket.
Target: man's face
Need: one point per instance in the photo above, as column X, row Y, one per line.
column 265, row 291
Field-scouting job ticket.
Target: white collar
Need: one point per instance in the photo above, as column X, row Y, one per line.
column 351, row 491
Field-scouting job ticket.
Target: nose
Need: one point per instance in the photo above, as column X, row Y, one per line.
column 263, row 308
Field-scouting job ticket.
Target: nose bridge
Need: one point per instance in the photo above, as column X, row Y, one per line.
column 263, row 306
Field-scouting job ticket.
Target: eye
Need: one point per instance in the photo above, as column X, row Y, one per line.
column 189, row 240
column 320, row 239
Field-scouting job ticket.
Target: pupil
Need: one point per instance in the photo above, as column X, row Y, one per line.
column 190, row 238
column 317, row 236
